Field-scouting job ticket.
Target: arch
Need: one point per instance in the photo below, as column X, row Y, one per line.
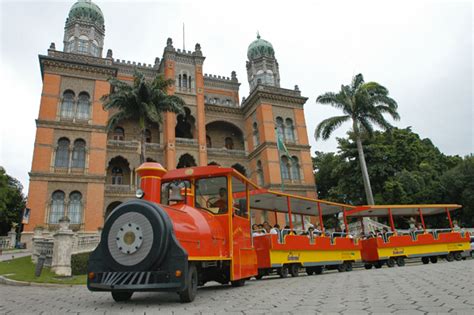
column 238, row 167
column 83, row 45
column 62, row 153
column 119, row 134
column 229, row 143
column 111, row 207
column 83, row 106
column 150, row 160
column 57, row 206
column 79, row 154
column 67, row 104
column 289, row 130
column 185, row 125
column 213, row 163
column 75, row 207
column 118, row 171
column 280, row 128
column 285, row 167
column 186, row 160
column 148, row 136
column 208, row 142
column 295, row 168
column 225, row 134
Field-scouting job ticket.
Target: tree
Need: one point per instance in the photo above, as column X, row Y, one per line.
column 364, row 104
column 142, row 101
column 12, row 201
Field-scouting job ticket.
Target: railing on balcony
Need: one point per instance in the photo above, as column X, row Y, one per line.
column 123, row 144
column 225, row 151
column 153, row 146
column 119, row 188
column 186, row 90
column 186, row 141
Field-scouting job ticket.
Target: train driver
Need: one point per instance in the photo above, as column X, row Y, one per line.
column 221, row 203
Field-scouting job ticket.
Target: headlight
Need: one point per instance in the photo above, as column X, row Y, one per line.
column 139, row 193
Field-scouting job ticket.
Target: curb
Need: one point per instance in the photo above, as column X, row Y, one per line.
column 4, row 280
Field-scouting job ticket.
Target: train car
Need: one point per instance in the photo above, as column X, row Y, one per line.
column 392, row 247
column 183, row 230
column 287, row 252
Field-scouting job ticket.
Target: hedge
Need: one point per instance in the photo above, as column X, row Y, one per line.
column 79, row 263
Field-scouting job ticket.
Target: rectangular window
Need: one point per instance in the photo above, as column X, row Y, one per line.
column 174, row 192
column 239, row 194
column 211, row 194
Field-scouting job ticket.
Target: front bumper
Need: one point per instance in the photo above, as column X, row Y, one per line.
column 135, row 281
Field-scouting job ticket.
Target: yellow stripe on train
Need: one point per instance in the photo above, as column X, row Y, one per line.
column 311, row 256
column 422, row 249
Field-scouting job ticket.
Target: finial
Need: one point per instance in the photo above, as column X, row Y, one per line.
column 52, row 46
column 258, row 35
column 109, row 53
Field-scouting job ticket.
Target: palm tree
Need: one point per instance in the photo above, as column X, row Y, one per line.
column 364, row 104
column 142, row 101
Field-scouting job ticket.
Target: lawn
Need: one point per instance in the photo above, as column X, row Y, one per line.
column 22, row 269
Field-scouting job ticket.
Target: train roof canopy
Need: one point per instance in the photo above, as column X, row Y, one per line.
column 400, row 210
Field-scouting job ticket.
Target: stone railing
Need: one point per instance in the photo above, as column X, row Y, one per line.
column 123, row 144
column 153, row 146
column 5, row 242
column 225, row 151
column 186, row 141
column 118, row 188
column 85, row 243
column 43, row 247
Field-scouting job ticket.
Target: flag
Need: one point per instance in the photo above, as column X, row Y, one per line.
column 282, row 147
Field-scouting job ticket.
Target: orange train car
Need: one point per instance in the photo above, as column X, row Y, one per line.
column 392, row 247
column 286, row 253
column 185, row 229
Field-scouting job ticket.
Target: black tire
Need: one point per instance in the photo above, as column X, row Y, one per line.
column 401, row 261
column 391, row 262
column 283, row 272
column 190, row 291
column 450, row 257
column 238, row 283
column 368, row 266
column 457, row 256
column 121, row 296
column 309, row 271
column 434, row 259
column 378, row 265
column 425, row 260
column 294, row 270
column 349, row 266
column 318, row 270
column 258, row 277
column 341, row 267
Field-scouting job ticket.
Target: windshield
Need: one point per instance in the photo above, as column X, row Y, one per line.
column 212, row 194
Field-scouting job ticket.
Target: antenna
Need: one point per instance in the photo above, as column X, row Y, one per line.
column 184, row 40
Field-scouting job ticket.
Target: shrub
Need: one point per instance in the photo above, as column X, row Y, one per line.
column 79, row 263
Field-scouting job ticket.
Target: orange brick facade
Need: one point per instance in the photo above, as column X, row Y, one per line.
column 83, row 171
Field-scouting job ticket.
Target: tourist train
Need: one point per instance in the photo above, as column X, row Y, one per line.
column 193, row 225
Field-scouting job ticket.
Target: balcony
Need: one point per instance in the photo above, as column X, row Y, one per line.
column 119, row 189
column 186, row 141
column 226, row 152
column 122, row 144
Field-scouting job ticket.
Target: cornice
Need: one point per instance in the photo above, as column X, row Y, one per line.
column 272, row 145
column 69, row 178
column 57, row 65
column 69, row 125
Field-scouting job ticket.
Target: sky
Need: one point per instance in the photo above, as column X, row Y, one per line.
column 422, row 51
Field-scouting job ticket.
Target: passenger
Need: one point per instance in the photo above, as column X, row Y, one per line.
column 456, row 226
column 275, row 229
column 419, row 227
column 310, row 232
column 267, row 227
column 286, row 231
column 317, row 230
column 221, row 203
column 259, row 231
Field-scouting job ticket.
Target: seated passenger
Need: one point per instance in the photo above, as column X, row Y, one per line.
column 275, row 229
column 267, row 227
column 257, row 230
column 221, row 203
column 310, row 232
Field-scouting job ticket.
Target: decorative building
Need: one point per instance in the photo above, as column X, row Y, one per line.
column 82, row 171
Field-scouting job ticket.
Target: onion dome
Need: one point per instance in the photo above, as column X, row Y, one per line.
column 86, row 10
column 260, row 48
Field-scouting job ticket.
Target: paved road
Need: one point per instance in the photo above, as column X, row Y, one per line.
column 413, row 289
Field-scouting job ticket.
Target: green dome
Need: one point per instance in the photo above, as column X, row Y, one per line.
column 85, row 9
column 259, row 48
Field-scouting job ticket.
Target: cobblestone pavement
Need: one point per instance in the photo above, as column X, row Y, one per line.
column 413, row 289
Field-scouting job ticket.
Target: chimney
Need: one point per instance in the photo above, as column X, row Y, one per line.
column 150, row 180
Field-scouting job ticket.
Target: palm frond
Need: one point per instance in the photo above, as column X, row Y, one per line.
column 357, row 81
column 327, row 126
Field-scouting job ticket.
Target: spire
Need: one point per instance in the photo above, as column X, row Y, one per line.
column 258, row 35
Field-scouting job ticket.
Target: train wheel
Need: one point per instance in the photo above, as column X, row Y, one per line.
column 341, row 267
column 378, row 265
column 121, row 296
column 368, row 266
column 425, row 260
column 401, row 261
column 318, row 270
column 238, row 283
column 190, row 291
column 283, row 272
column 391, row 262
column 348, row 266
column 457, row 256
column 309, row 271
column 450, row 257
column 258, row 277
column 434, row 259
column 294, row 270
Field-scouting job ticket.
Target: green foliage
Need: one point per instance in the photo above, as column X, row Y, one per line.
column 404, row 169
column 79, row 263
column 12, row 201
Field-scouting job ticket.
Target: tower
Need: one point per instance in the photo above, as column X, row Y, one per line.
column 262, row 66
column 84, row 31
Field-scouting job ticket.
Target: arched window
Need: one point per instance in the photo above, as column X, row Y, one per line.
column 185, row 81
column 83, row 106
column 83, row 45
column 79, row 154
column 67, row 105
column 285, row 167
column 95, row 49
column 57, row 207
column 147, row 136
column 119, row 134
column 229, row 143
column 256, row 136
column 260, row 177
column 117, row 176
column 69, row 46
column 62, row 153
column 295, row 168
column 179, row 80
column 75, row 207
column 280, row 128
column 208, row 142
column 289, row 130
